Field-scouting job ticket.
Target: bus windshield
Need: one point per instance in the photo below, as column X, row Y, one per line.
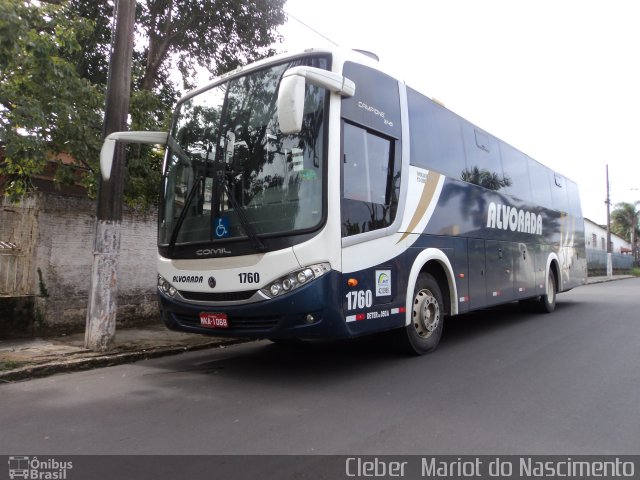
column 231, row 174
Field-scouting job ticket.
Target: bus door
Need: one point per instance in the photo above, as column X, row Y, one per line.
column 477, row 273
column 525, row 269
column 540, row 260
column 499, row 258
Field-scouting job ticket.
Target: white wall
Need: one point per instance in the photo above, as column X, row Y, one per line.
column 591, row 229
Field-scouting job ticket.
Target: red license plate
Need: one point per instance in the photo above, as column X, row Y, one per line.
column 214, row 320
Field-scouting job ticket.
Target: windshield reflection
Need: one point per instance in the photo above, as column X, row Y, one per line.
column 230, row 173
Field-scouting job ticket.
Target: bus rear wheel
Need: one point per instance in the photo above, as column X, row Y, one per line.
column 547, row 302
column 423, row 333
column 544, row 303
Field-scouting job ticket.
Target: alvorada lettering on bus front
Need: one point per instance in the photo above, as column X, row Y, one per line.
column 506, row 217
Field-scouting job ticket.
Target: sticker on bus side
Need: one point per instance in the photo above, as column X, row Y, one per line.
column 383, row 283
column 375, row 314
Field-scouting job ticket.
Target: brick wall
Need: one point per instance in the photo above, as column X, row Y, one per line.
column 57, row 232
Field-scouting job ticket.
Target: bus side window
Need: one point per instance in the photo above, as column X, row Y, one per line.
column 540, row 184
column 515, row 166
column 559, row 194
column 483, row 159
column 435, row 136
column 366, row 165
column 368, row 181
column 574, row 199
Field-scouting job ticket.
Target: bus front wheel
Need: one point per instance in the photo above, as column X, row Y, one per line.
column 423, row 333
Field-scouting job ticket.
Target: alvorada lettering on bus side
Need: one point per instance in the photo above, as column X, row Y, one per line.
column 505, row 217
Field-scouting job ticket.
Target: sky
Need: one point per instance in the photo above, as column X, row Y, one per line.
column 559, row 80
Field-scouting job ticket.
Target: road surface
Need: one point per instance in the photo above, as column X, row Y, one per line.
column 501, row 382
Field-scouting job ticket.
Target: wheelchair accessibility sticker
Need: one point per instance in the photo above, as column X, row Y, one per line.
column 221, row 227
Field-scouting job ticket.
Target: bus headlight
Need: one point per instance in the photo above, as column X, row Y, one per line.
column 295, row 279
column 166, row 287
column 274, row 289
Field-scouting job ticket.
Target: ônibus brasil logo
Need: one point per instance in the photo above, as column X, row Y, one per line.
column 38, row 469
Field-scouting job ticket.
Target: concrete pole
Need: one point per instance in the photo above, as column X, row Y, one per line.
column 609, row 249
column 634, row 250
column 101, row 310
column 608, row 202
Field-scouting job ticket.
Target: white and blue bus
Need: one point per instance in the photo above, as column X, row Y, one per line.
column 313, row 195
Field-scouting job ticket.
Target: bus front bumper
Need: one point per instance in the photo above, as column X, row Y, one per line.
column 311, row 311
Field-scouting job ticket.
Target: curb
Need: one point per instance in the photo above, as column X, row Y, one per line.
column 107, row 360
column 604, row 279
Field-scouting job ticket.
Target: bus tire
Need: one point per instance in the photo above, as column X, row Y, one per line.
column 423, row 334
column 547, row 302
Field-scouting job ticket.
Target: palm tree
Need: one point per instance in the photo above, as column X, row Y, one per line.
column 485, row 178
column 625, row 223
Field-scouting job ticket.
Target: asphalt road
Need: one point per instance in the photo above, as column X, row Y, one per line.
column 501, row 382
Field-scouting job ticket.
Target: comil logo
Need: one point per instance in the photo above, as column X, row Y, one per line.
column 38, row 469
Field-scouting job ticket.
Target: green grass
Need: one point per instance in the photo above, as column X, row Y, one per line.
column 635, row 271
column 8, row 365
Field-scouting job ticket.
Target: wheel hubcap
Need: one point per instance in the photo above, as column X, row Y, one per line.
column 426, row 313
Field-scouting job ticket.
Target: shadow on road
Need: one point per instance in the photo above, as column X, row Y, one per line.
column 319, row 361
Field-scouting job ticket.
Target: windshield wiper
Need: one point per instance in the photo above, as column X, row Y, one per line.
column 223, row 177
column 183, row 214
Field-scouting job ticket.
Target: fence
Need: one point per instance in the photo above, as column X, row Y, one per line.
column 597, row 262
column 15, row 270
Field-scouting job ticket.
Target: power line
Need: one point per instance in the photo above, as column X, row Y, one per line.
column 311, row 28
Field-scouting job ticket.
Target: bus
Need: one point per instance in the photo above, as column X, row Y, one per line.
column 19, row 467
column 313, row 195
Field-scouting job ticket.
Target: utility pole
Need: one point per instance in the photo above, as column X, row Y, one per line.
column 634, row 226
column 101, row 310
column 608, row 202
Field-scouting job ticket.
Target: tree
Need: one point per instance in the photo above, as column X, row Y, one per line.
column 45, row 106
column 216, row 34
column 174, row 38
column 485, row 178
column 67, row 44
column 624, row 221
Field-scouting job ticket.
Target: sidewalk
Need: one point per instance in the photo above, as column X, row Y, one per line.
column 38, row 357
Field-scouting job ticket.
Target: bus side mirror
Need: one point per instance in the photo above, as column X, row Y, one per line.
column 291, row 93
column 291, row 103
column 109, row 146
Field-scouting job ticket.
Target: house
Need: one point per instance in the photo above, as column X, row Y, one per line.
column 597, row 257
column 596, row 239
